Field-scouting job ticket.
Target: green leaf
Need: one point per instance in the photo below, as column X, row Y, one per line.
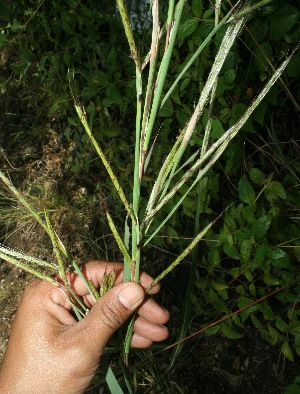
column 2, row 39
column 246, row 191
column 231, row 251
column 293, row 389
column 216, row 301
column 277, row 189
column 256, row 322
column 248, row 213
column 287, row 352
column 167, row 110
column 257, row 176
column 230, row 76
column 281, row 324
column 259, row 113
column 110, row 132
column 229, row 221
column 252, row 289
column 114, row 95
column 110, row 378
column 229, row 332
column 283, row 21
column 273, row 335
column 218, row 286
column 187, row 28
column 271, row 281
column 293, row 69
column 217, row 129
column 245, row 249
column 234, row 272
column 197, row 8
column 212, row 330
column 261, row 226
column 294, row 328
column 184, row 84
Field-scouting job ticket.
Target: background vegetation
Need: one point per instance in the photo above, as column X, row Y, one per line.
column 254, row 249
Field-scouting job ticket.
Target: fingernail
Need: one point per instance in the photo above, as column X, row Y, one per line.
column 130, row 296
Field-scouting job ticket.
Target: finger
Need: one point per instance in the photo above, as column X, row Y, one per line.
column 106, row 316
column 149, row 330
column 44, row 300
column 95, row 270
column 150, row 310
column 58, row 305
column 140, row 342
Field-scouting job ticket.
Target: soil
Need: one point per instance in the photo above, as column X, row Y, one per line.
column 208, row 364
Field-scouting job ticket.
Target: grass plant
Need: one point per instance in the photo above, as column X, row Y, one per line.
column 178, row 171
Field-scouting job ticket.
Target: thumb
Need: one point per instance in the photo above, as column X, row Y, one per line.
column 109, row 313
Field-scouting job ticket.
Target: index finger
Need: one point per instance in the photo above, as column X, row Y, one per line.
column 95, row 271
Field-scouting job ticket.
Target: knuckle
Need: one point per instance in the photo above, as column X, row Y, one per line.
column 112, row 315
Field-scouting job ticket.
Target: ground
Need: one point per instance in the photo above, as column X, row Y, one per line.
column 208, row 364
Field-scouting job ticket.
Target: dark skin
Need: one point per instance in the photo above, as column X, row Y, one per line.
column 50, row 352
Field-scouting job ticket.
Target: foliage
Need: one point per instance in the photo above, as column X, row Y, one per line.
column 256, row 248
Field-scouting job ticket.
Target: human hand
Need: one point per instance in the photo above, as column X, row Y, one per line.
column 50, row 351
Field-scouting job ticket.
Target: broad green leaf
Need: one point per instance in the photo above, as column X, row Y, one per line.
column 256, row 322
column 246, row 191
column 184, row 84
column 217, row 129
column 216, row 301
column 287, row 352
column 110, row 132
column 277, row 189
column 230, row 76
column 212, row 330
column 248, row 213
column 197, row 8
column 293, row 389
column 242, row 235
column 292, row 315
column 187, row 28
column 2, row 39
column 240, row 290
column 245, row 249
column 260, row 254
column 229, row 221
column 114, row 95
column 259, row 113
column 261, row 226
column 271, row 281
column 231, row 251
column 294, row 328
column 273, row 335
column 293, row 69
column 244, row 301
column 257, row 176
column 238, row 111
column 282, row 21
column 229, row 332
column 167, row 110
column 205, row 29
column 234, row 272
column 281, row 324
column 219, row 286
column 248, row 275
column 101, row 78
column 252, row 289
column 274, row 211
